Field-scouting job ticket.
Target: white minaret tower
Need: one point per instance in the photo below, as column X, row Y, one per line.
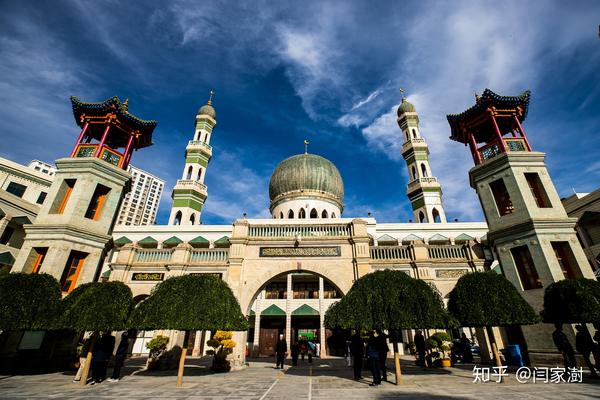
column 424, row 190
column 190, row 192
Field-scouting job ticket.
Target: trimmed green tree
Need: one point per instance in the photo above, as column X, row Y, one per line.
column 572, row 301
column 389, row 300
column 487, row 299
column 96, row 307
column 190, row 302
column 28, row 301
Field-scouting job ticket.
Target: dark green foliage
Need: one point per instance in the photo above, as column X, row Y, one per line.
column 28, row 301
column 489, row 299
column 572, row 301
column 190, row 302
column 97, row 306
column 389, row 300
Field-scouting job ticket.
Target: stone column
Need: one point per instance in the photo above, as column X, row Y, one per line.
column 4, row 223
column 257, row 311
column 288, row 311
column 322, row 318
column 197, row 343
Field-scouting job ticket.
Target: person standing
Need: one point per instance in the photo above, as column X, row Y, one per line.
column 318, row 349
column 420, row 348
column 564, row 346
column 584, row 345
column 357, row 349
column 295, row 348
column 383, row 352
column 280, row 351
column 120, row 355
column 465, row 344
column 101, row 356
column 373, row 354
column 85, row 348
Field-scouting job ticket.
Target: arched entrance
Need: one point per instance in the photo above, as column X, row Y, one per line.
column 293, row 304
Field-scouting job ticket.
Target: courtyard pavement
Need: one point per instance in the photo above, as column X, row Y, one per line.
column 324, row 379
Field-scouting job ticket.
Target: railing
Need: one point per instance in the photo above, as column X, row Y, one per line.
column 292, row 231
column 106, row 153
column 200, row 143
column 431, row 179
column 209, row 255
column 493, row 149
column 446, row 251
column 390, row 253
column 190, row 183
column 153, row 255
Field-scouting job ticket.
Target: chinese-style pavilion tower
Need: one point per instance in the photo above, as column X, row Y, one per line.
column 423, row 190
column 190, row 192
column 534, row 239
column 72, row 232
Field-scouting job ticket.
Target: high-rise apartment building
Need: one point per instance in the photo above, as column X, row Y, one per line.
column 140, row 205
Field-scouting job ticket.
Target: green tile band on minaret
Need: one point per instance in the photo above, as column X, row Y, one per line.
column 423, row 189
column 190, row 192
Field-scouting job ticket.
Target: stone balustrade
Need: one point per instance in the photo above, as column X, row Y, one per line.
column 191, row 184
column 409, row 253
column 201, row 145
column 304, row 231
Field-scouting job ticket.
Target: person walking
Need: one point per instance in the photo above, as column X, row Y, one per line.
column 564, row 346
column 465, row 344
column 85, row 348
column 420, row 348
column 383, row 349
column 295, row 349
column 357, row 349
column 100, row 357
column 120, row 355
column 280, row 351
column 584, row 345
column 373, row 354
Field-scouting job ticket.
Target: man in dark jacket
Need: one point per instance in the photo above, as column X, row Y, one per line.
column 120, row 357
column 357, row 348
column 564, row 346
column 101, row 355
column 584, row 345
column 295, row 349
column 280, row 351
column 420, row 348
column 383, row 352
column 373, row 353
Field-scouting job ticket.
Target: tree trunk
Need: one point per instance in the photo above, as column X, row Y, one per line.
column 182, row 359
column 492, row 338
column 397, row 364
column 88, row 360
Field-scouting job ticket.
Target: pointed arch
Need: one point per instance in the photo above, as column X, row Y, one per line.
column 189, row 173
column 280, row 214
column 314, row 213
column 414, row 172
column 422, row 217
column 407, row 136
column 291, row 214
column 302, row 213
column 414, row 132
column 324, row 214
column 192, row 219
column 424, row 170
column 332, row 215
column 436, row 216
column 177, row 220
column 199, row 174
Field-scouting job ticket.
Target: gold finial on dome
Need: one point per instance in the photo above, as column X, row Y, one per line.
column 212, row 93
column 402, row 93
column 306, row 143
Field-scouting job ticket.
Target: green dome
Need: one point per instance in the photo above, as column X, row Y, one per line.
column 405, row 106
column 207, row 109
column 306, row 172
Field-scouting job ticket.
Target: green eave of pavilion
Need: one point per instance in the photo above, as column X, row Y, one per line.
column 199, row 242
column 222, row 242
column 305, row 310
column 122, row 241
column 273, row 311
column 148, row 242
column 173, row 241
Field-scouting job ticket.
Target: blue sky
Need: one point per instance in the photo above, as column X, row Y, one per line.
column 285, row 71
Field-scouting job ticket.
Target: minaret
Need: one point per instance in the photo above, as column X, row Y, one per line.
column 190, row 193
column 534, row 239
column 73, row 230
column 424, row 190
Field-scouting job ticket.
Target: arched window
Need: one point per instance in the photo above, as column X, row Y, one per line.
column 421, row 216
column 414, row 134
column 436, row 216
column 414, row 172
column 424, row 170
column 291, row 214
column 332, row 215
column 189, row 174
column 314, row 213
column 302, row 213
column 192, row 219
column 177, row 220
column 281, row 215
column 199, row 174
column 407, row 136
column 324, row 214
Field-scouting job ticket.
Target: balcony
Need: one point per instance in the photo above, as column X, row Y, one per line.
column 193, row 185
column 305, row 231
column 493, row 149
column 199, row 145
column 106, row 153
column 422, row 182
column 413, row 143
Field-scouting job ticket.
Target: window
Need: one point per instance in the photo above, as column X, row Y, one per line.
column 189, row 173
column 72, row 270
column 501, row 197
column 566, row 260
column 291, row 214
column 421, row 217
column 98, row 199
column 436, row 216
column 302, row 213
column 40, row 255
column 525, row 268
column 537, row 190
column 177, row 220
column 199, row 174
column 314, row 213
column 414, row 172
column 16, row 188
column 192, row 219
column 41, row 198
column 276, row 290
column 64, row 192
column 324, row 214
column 6, row 235
column 281, row 215
column 407, row 136
column 424, row 170
column 414, row 132
column 332, row 215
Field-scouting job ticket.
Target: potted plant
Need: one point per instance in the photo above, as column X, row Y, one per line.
column 223, row 346
column 437, row 342
column 157, row 347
